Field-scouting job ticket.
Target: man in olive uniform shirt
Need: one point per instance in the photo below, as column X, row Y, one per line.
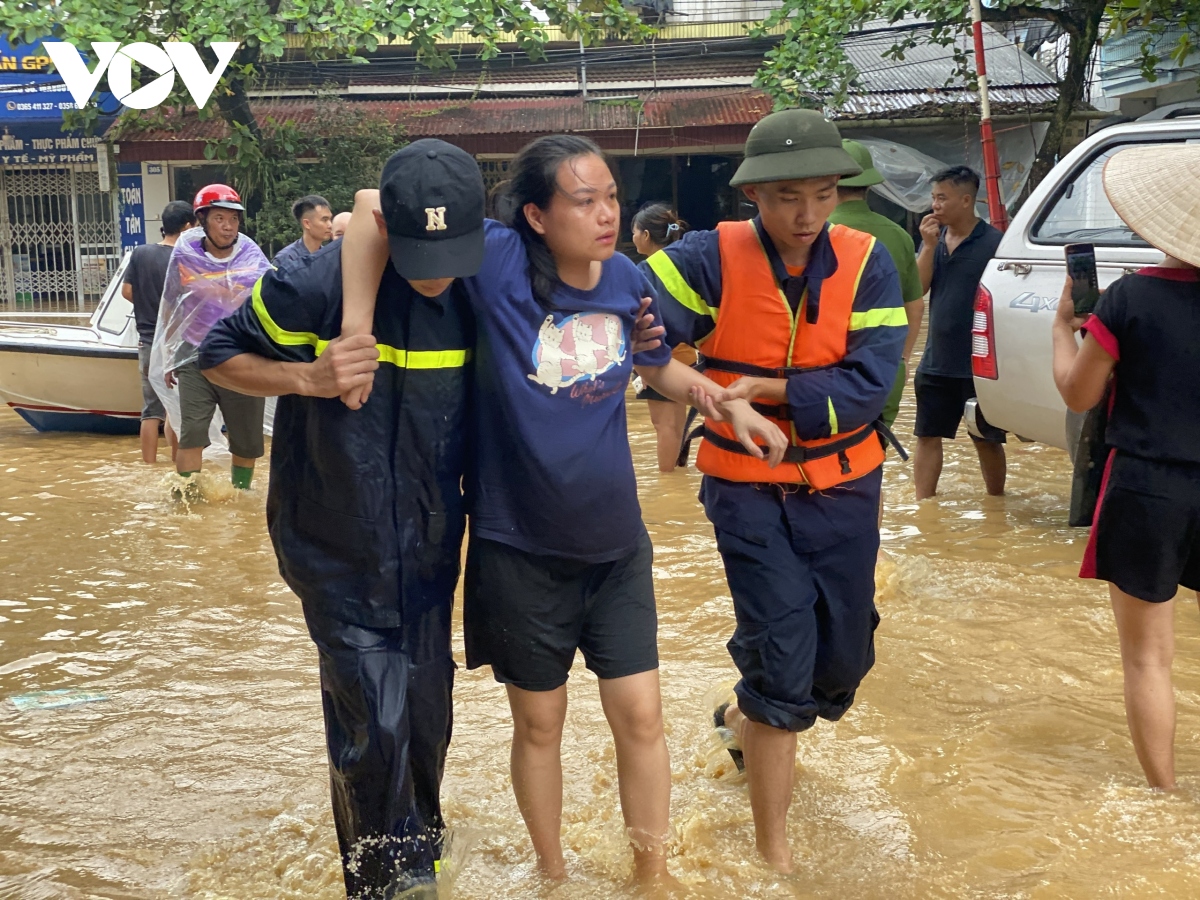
column 853, row 212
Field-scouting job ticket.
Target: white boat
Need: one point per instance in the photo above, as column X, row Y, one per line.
column 74, row 377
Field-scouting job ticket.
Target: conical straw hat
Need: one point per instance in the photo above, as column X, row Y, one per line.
column 1156, row 192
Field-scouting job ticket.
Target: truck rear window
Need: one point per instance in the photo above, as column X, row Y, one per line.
column 1080, row 212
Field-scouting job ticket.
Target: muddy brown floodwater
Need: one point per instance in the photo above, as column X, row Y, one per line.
column 987, row 755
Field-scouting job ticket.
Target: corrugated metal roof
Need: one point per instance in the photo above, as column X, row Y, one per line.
column 920, row 104
column 929, row 66
column 648, row 110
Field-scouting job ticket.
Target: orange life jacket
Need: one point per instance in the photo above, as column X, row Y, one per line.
column 758, row 335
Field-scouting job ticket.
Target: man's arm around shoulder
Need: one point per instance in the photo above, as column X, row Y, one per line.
column 270, row 346
column 345, row 364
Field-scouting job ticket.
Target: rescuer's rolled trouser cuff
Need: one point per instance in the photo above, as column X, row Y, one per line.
column 805, row 625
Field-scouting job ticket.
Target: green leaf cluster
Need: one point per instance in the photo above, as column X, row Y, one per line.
column 340, row 150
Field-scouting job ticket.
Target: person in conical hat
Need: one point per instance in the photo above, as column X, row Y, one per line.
column 1142, row 342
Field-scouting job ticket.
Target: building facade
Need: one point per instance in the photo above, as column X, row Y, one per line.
column 60, row 234
column 1122, row 78
column 673, row 113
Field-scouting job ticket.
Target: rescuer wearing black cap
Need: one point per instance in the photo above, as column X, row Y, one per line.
column 804, row 320
column 365, row 508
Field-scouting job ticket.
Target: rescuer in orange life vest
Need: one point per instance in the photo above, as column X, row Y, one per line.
column 806, row 321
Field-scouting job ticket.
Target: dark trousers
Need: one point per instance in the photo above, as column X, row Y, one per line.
column 388, row 713
column 805, row 625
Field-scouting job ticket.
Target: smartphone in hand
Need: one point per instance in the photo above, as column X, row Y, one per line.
column 1085, row 284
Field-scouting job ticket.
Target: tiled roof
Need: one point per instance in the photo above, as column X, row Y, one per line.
column 532, row 115
column 630, row 88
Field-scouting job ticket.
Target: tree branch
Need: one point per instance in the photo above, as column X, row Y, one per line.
column 1023, row 12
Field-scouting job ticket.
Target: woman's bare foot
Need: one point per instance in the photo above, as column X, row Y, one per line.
column 663, row 886
column 778, row 858
column 552, row 870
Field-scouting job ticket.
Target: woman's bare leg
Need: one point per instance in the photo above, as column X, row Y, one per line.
column 633, row 707
column 668, row 419
column 1147, row 632
column 536, row 765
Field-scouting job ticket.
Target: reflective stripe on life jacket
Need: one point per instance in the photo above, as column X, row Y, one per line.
column 758, row 335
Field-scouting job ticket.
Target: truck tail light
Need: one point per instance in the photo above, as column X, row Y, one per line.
column 983, row 336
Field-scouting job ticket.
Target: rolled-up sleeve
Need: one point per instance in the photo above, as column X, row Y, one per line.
column 851, row 393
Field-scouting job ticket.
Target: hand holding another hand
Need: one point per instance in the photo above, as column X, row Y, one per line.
column 752, row 428
column 345, row 369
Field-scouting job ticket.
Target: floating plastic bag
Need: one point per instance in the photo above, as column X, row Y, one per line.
column 55, row 699
column 200, row 290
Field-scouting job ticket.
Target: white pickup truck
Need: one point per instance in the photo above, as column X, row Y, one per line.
column 1017, row 297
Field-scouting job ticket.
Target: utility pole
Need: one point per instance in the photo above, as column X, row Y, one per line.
column 582, row 68
column 991, row 161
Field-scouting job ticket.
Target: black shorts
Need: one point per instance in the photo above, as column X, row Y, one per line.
column 1146, row 539
column 940, row 402
column 525, row 615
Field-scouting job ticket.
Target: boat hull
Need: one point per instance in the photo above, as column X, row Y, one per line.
column 68, row 387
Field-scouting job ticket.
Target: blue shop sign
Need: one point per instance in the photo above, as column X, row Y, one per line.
column 29, row 90
column 133, row 208
column 33, row 143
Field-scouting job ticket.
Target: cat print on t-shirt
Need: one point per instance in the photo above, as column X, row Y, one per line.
column 581, row 347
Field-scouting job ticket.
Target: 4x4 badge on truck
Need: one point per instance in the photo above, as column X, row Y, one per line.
column 1033, row 302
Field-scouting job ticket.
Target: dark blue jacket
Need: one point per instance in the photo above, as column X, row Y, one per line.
column 365, row 507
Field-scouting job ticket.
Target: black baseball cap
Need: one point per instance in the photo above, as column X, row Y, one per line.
column 433, row 199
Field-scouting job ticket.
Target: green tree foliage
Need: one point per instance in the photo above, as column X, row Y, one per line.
column 809, row 66
column 339, row 150
column 324, row 28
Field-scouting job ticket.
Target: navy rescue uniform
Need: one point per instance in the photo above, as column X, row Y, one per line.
column 365, row 512
column 798, row 541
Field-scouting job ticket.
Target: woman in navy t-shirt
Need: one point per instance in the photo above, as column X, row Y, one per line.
column 1145, row 334
column 559, row 559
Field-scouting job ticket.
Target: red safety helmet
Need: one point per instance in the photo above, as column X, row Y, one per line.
column 218, row 195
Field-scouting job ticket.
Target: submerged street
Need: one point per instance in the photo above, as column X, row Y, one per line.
column 987, row 756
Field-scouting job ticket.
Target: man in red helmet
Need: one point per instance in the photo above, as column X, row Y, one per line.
column 211, row 273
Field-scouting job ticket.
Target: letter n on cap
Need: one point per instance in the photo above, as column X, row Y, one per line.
column 435, row 218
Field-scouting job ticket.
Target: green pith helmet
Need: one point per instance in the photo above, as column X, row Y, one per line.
column 793, row 144
column 870, row 175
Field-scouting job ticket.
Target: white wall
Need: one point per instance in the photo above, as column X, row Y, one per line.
column 686, row 11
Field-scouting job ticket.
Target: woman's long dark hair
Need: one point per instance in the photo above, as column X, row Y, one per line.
column 660, row 222
column 533, row 178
